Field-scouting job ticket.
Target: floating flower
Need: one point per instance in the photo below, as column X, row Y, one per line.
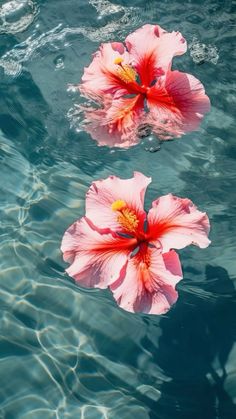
column 133, row 84
column 118, row 245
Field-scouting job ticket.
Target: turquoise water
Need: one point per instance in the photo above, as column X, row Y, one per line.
column 67, row 352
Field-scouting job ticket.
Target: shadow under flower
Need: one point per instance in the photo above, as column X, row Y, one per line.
column 193, row 351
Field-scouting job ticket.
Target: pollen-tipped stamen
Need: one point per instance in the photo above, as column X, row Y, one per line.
column 118, row 60
column 127, row 217
column 118, row 205
column 125, row 72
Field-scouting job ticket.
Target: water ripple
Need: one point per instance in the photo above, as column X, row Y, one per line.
column 17, row 15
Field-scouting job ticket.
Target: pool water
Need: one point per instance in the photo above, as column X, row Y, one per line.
column 67, row 352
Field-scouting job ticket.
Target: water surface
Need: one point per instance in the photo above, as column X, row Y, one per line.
column 67, row 352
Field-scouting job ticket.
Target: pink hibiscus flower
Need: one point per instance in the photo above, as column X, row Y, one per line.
column 118, row 245
column 134, row 84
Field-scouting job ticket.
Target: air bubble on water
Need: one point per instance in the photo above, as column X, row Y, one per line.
column 72, row 88
column 59, row 62
column 17, row 15
column 202, row 53
column 151, row 143
column 79, row 129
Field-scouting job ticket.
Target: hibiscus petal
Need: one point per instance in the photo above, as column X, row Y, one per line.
column 177, row 104
column 101, row 75
column 152, row 50
column 149, row 289
column 104, row 193
column 176, row 223
column 115, row 125
column 98, row 270
column 96, row 260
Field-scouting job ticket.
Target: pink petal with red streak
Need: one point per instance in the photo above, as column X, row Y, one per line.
column 116, row 123
column 152, row 49
column 97, row 260
column 177, row 105
column 100, row 77
column 176, row 223
column 149, row 290
column 103, row 193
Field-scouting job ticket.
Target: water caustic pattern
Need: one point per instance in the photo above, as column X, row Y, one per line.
column 67, row 352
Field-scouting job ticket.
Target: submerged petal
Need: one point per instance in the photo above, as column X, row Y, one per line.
column 152, row 50
column 102, row 195
column 115, row 125
column 96, row 260
column 148, row 283
column 176, row 223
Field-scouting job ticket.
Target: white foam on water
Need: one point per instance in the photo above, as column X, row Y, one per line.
column 17, row 15
column 202, row 53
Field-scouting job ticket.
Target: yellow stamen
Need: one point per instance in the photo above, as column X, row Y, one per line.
column 126, row 73
column 118, row 60
column 118, row 205
column 128, row 220
column 126, row 217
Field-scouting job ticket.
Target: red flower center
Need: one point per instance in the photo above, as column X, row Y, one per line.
column 128, row 75
column 129, row 221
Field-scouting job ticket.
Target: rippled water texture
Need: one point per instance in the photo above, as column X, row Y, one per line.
column 71, row 353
